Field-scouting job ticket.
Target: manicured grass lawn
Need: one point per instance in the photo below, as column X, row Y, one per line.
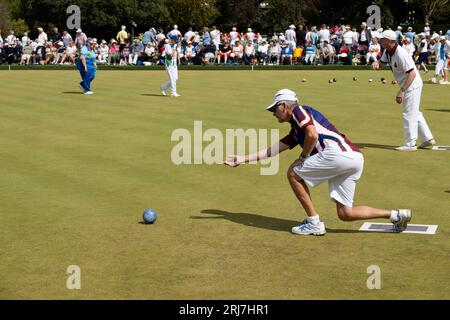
column 77, row 172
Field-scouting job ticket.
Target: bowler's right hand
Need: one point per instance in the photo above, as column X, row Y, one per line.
column 234, row 161
column 376, row 65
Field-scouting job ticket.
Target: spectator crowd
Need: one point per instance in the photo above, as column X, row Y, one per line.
column 296, row 45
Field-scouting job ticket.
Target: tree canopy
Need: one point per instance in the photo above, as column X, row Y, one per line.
column 103, row 18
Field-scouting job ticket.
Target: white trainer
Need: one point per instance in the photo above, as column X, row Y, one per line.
column 406, row 148
column 89, row 92
column 444, row 82
column 427, row 144
column 307, row 228
column 402, row 219
column 163, row 92
column 175, row 95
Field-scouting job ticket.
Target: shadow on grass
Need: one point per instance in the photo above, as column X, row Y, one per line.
column 153, row 95
column 439, row 110
column 259, row 221
column 448, row 191
column 376, row 146
column 72, row 92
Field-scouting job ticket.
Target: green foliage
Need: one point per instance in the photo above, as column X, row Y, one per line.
column 197, row 13
column 103, row 18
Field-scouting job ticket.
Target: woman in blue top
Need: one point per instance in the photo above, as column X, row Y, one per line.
column 87, row 66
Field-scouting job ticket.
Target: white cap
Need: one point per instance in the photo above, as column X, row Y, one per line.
column 79, row 31
column 442, row 38
column 389, row 34
column 292, row 26
column 435, row 36
column 399, row 28
column 175, row 27
column 249, row 29
column 282, row 95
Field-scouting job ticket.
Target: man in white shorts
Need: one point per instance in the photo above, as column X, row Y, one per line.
column 327, row 155
column 410, row 82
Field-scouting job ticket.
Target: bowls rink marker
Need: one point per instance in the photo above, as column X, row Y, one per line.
column 389, row 227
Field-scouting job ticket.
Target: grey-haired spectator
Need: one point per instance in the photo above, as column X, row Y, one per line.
column 262, row 54
column 66, row 38
column 410, row 34
column 136, row 51
column 27, row 53
column 399, row 34
column 149, row 36
column 275, row 52
column 365, row 36
column 11, row 37
column 41, row 43
column 25, row 39
column 327, row 53
column 80, row 39
column 249, row 53
column 121, row 37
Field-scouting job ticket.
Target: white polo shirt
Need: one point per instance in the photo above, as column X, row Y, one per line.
column 401, row 64
column 289, row 35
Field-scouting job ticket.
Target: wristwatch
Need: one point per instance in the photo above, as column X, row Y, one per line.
column 302, row 157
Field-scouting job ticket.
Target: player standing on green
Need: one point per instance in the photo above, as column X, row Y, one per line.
column 87, row 66
column 171, row 63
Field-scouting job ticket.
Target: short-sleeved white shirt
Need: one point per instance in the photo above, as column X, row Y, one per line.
column 401, row 63
column 170, row 61
column 324, row 35
column 289, row 35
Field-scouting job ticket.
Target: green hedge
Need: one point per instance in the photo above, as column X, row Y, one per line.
column 194, row 67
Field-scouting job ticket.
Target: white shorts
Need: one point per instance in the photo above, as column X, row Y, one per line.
column 341, row 169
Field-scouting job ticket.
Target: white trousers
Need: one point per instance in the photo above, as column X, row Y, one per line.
column 310, row 57
column 414, row 124
column 172, row 71
column 440, row 66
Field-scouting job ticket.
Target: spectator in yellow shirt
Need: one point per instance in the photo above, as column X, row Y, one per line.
column 122, row 35
column 298, row 52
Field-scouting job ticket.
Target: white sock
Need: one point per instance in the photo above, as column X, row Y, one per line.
column 394, row 215
column 314, row 219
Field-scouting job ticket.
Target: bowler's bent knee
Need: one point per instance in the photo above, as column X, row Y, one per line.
column 344, row 213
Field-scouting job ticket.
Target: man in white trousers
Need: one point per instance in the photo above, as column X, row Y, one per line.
column 171, row 63
column 408, row 77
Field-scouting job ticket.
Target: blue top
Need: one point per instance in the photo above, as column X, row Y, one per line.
column 89, row 55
